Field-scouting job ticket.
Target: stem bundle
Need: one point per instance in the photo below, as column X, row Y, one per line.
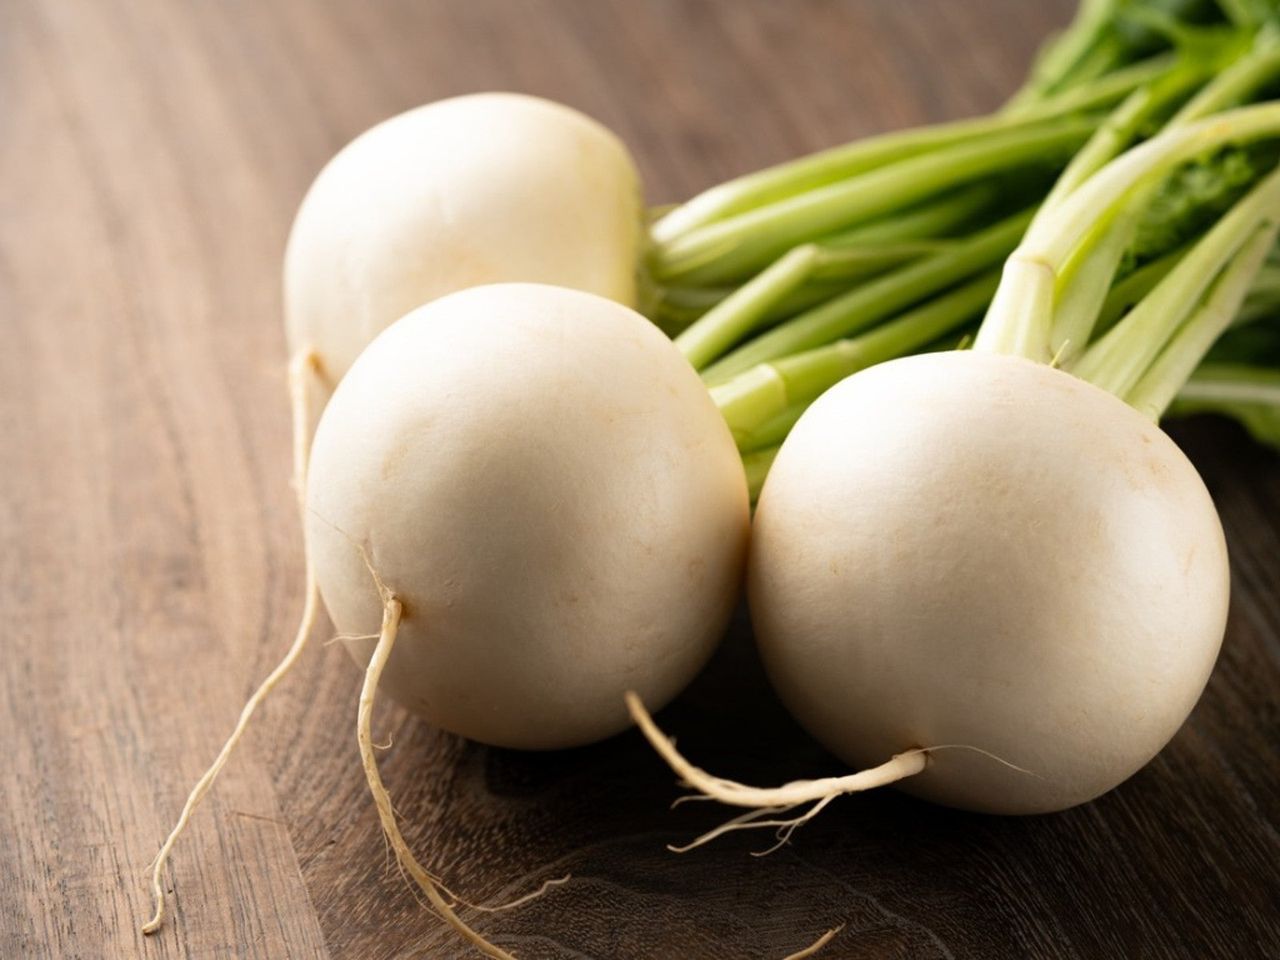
column 781, row 283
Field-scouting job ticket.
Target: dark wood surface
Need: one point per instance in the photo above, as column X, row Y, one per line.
column 151, row 156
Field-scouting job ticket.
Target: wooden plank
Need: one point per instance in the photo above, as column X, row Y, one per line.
column 151, row 156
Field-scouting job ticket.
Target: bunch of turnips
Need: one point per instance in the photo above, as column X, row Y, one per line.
column 531, row 423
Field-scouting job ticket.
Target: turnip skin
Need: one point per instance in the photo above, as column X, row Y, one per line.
column 476, row 189
column 991, row 553
column 543, row 481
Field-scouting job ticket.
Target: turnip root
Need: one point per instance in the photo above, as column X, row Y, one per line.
column 473, row 190
column 301, row 367
column 994, row 583
column 546, row 486
column 527, row 502
column 477, row 189
column 532, row 493
column 1003, row 556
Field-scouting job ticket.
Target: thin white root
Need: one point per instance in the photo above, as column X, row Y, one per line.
column 343, row 637
column 300, row 365
column 787, row 827
column 744, row 821
column 205, row 782
column 689, row 798
column 817, row 945
column 510, row 904
column 763, row 802
column 435, row 892
column 780, row 798
column 751, row 821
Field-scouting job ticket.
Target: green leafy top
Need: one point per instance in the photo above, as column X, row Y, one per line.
column 1194, row 197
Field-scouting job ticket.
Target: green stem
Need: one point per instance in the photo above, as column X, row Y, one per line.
column 837, row 263
column 1086, row 280
column 1099, row 93
column 1237, row 11
column 1063, row 54
column 762, row 393
column 1119, row 359
column 936, row 218
column 1100, row 60
column 732, row 248
column 1264, row 298
column 876, row 300
column 691, row 299
column 1088, row 276
column 1082, row 288
column 1237, row 82
column 1224, row 383
column 870, row 249
column 678, row 308
column 1021, row 318
column 840, row 163
column 757, row 464
column 1122, row 126
column 773, row 431
column 760, row 300
column 817, row 170
column 1128, row 292
column 1247, row 393
column 1160, row 384
column 742, row 311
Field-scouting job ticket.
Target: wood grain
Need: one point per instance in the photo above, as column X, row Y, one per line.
column 151, row 156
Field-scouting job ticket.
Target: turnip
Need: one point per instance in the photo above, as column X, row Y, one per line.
column 530, row 491
column 546, row 486
column 525, row 502
column 500, row 187
column 473, row 190
column 996, row 581
column 1005, row 556
column 483, row 188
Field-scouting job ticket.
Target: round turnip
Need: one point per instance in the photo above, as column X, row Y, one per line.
column 529, row 499
column 525, row 502
column 541, row 479
column 1004, row 556
column 999, row 575
column 476, row 189
column 473, row 190
column 483, row 188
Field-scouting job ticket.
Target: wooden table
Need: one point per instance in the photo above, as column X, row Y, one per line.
column 151, row 156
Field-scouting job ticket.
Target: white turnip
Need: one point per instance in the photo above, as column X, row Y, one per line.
column 529, row 498
column 1003, row 555
column 997, row 580
column 482, row 188
column 473, row 190
column 526, row 502
column 544, row 483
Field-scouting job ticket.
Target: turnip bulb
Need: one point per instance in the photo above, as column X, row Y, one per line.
column 992, row 582
column 526, row 503
column 969, row 548
column 520, row 503
column 473, row 190
column 542, row 480
column 477, row 189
